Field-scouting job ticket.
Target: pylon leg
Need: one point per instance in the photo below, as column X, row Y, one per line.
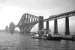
column 55, row 27
column 67, row 32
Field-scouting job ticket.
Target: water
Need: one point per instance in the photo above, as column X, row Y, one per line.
column 24, row 42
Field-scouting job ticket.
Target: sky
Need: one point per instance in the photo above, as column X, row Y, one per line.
column 12, row 10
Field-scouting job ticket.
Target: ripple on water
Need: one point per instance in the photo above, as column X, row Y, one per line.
column 24, row 42
column 8, row 41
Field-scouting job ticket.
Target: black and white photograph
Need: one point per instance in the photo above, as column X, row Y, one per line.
column 37, row 24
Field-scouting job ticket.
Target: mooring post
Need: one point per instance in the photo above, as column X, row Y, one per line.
column 55, row 27
column 67, row 31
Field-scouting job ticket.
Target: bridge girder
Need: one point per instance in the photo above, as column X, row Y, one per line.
column 62, row 15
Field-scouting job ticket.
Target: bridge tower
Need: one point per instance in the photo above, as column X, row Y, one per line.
column 55, row 27
column 41, row 22
column 47, row 25
column 67, row 32
column 41, row 25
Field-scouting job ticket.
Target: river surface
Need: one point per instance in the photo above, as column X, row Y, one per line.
column 19, row 41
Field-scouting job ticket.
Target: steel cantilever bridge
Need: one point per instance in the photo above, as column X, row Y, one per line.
column 28, row 21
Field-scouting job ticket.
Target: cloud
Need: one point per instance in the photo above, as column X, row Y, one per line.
column 3, row 1
column 42, row 4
